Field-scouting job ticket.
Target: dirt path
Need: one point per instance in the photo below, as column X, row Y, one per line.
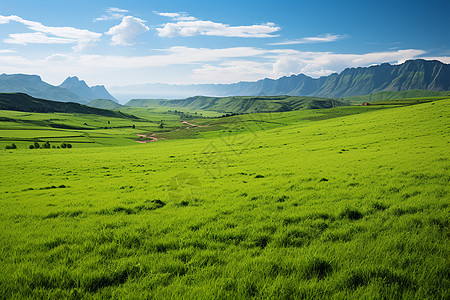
column 193, row 125
column 151, row 138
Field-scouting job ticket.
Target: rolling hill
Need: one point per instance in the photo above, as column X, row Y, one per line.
column 105, row 104
column 24, row 102
column 240, row 104
column 387, row 95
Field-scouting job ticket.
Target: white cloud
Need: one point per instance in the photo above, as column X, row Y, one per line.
column 115, row 9
column 171, row 56
column 182, row 16
column 326, row 38
column 190, row 26
column 36, row 38
column 3, row 51
column 59, row 58
column 231, row 72
column 112, row 13
column 49, row 35
column 169, row 15
column 127, row 30
column 444, row 59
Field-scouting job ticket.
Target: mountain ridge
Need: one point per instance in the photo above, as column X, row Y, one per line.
column 71, row 90
column 79, row 87
column 411, row 75
column 34, row 86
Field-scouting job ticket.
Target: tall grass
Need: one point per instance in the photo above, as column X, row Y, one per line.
column 351, row 207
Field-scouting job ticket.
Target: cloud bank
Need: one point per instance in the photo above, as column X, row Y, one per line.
column 326, row 38
column 112, row 13
column 200, row 65
column 186, row 26
column 49, row 35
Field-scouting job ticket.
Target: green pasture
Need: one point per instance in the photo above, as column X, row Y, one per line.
column 344, row 203
column 82, row 130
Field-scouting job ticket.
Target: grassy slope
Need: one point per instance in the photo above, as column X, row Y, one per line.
column 410, row 101
column 386, row 95
column 26, row 103
column 24, row 128
column 241, row 104
column 105, row 104
column 348, row 207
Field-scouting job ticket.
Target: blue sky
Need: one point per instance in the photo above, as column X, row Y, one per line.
column 119, row 43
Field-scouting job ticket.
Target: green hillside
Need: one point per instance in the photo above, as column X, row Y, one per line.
column 342, row 203
column 382, row 96
column 105, row 104
column 143, row 102
column 83, row 130
column 24, row 102
column 242, row 104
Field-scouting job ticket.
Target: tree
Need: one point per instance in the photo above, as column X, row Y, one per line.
column 12, row 146
column 63, row 145
column 46, row 145
column 134, row 126
column 69, row 146
column 36, row 145
column 31, row 147
column 161, row 124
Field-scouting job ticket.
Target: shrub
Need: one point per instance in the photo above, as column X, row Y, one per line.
column 63, row 145
column 69, row 146
column 351, row 214
column 318, row 268
column 12, row 146
column 31, row 147
column 46, row 145
column 36, row 145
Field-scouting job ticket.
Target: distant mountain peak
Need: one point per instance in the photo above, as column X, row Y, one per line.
column 71, row 90
column 80, row 87
column 73, row 80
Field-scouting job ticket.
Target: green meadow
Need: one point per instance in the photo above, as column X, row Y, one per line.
column 83, row 130
column 341, row 203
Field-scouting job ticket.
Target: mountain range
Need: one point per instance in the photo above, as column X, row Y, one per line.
column 411, row 75
column 71, row 90
column 429, row 75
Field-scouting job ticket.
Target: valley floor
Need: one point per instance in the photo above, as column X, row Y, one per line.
column 350, row 207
